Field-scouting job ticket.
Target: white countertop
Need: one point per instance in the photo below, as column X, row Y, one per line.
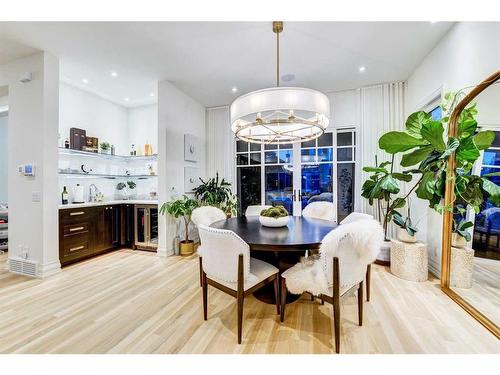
column 105, row 203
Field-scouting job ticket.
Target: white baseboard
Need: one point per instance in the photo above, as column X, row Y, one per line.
column 49, row 269
column 163, row 252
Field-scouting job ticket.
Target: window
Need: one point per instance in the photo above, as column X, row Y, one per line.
column 487, row 222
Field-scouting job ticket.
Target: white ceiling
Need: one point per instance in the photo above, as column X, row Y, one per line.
column 207, row 59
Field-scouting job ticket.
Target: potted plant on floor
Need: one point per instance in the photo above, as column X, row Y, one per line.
column 425, row 149
column 381, row 189
column 213, row 192
column 182, row 208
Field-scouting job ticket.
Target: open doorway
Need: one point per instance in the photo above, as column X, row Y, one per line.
column 4, row 200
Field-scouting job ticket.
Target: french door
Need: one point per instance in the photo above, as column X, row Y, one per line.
column 295, row 175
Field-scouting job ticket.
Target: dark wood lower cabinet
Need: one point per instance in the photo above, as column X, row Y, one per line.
column 88, row 231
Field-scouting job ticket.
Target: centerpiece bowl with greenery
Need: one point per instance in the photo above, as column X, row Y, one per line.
column 182, row 208
column 275, row 217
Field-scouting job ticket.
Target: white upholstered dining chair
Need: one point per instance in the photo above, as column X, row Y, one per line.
column 255, row 210
column 320, row 210
column 227, row 266
column 345, row 253
column 351, row 218
column 206, row 215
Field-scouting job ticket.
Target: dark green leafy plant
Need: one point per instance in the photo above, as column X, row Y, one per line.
column 181, row 208
column 230, row 206
column 131, row 184
column 213, row 192
column 104, row 146
column 121, row 186
column 426, row 150
column 460, row 227
column 405, row 223
column 275, row 212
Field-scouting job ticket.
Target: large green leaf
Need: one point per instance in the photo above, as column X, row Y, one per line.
column 414, row 123
column 491, row 188
column 394, row 142
column 467, row 150
column 416, row 156
column 376, row 170
column 432, row 132
column 484, row 139
column 425, row 189
column 389, row 184
column 467, row 127
column 402, row 176
column 452, row 145
column 398, row 203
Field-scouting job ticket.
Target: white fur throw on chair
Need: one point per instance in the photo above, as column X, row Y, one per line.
column 320, row 210
column 355, row 244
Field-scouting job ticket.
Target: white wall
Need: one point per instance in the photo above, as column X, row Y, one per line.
column 142, row 126
column 32, row 138
column 178, row 114
column 467, row 54
column 99, row 117
column 3, row 159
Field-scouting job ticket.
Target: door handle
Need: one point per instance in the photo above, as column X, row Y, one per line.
column 294, row 197
column 76, row 229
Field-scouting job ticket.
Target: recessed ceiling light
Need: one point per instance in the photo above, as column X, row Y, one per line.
column 234, row 89
column 85, row 80
column 114, row 74
column 152, row 95
column 126, row 99
column 362, row 68
column 287, row 77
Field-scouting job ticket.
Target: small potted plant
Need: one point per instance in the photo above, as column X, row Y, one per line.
column 132, row 191
column 275, row 217
column 182, row 208
column 105, row 148
column 460, row 234
column 122, row 190
column 406, row 230
column 230, row 206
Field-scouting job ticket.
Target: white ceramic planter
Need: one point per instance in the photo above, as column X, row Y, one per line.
column 274, row 222
column 403, row 236
column 457, row 240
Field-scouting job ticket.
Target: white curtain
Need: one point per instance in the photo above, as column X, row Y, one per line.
column 220, row 144
column 382, row 109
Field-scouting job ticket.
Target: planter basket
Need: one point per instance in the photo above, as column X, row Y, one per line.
column 409, row 261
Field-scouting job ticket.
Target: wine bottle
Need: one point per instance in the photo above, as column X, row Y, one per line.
column 65, row 196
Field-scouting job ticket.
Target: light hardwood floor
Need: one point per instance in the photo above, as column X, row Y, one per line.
column 136, row 302
column 485, row 292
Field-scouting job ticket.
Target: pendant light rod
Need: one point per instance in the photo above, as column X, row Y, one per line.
column 277, row 29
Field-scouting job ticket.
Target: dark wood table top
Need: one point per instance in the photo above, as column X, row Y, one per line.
column 300, row 233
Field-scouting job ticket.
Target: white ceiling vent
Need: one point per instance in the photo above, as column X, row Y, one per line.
column 23, row 266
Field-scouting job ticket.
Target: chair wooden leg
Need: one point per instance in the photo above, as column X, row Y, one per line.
column 240, row 316
column 277, row 293
column 336, row 303
column 283, row 300
column 201, row 271
column 360, row 304
column 368, row 281
column 204, row 286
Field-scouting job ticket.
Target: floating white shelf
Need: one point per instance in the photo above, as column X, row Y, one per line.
column 69, row 151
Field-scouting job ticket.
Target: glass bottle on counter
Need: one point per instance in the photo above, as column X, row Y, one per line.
column 133, row 152
column 66, row 143
column 64, row 196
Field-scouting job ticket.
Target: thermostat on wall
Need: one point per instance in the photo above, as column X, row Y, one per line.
column 27, row 170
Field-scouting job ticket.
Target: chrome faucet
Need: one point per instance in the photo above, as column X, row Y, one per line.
column 93, row 190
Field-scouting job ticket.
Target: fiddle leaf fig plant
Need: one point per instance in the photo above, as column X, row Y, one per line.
column 426, row 149
column 181, row 208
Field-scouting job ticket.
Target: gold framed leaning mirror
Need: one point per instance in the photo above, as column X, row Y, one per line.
column 470, row 269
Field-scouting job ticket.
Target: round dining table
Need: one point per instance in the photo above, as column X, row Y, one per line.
column 283, row 247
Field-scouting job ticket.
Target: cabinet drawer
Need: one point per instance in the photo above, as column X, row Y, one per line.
column 74, row 229
column 75, row 249
column 76, row 214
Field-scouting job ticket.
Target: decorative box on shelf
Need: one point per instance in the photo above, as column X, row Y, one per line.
column 409, row 261
column 462, row 262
